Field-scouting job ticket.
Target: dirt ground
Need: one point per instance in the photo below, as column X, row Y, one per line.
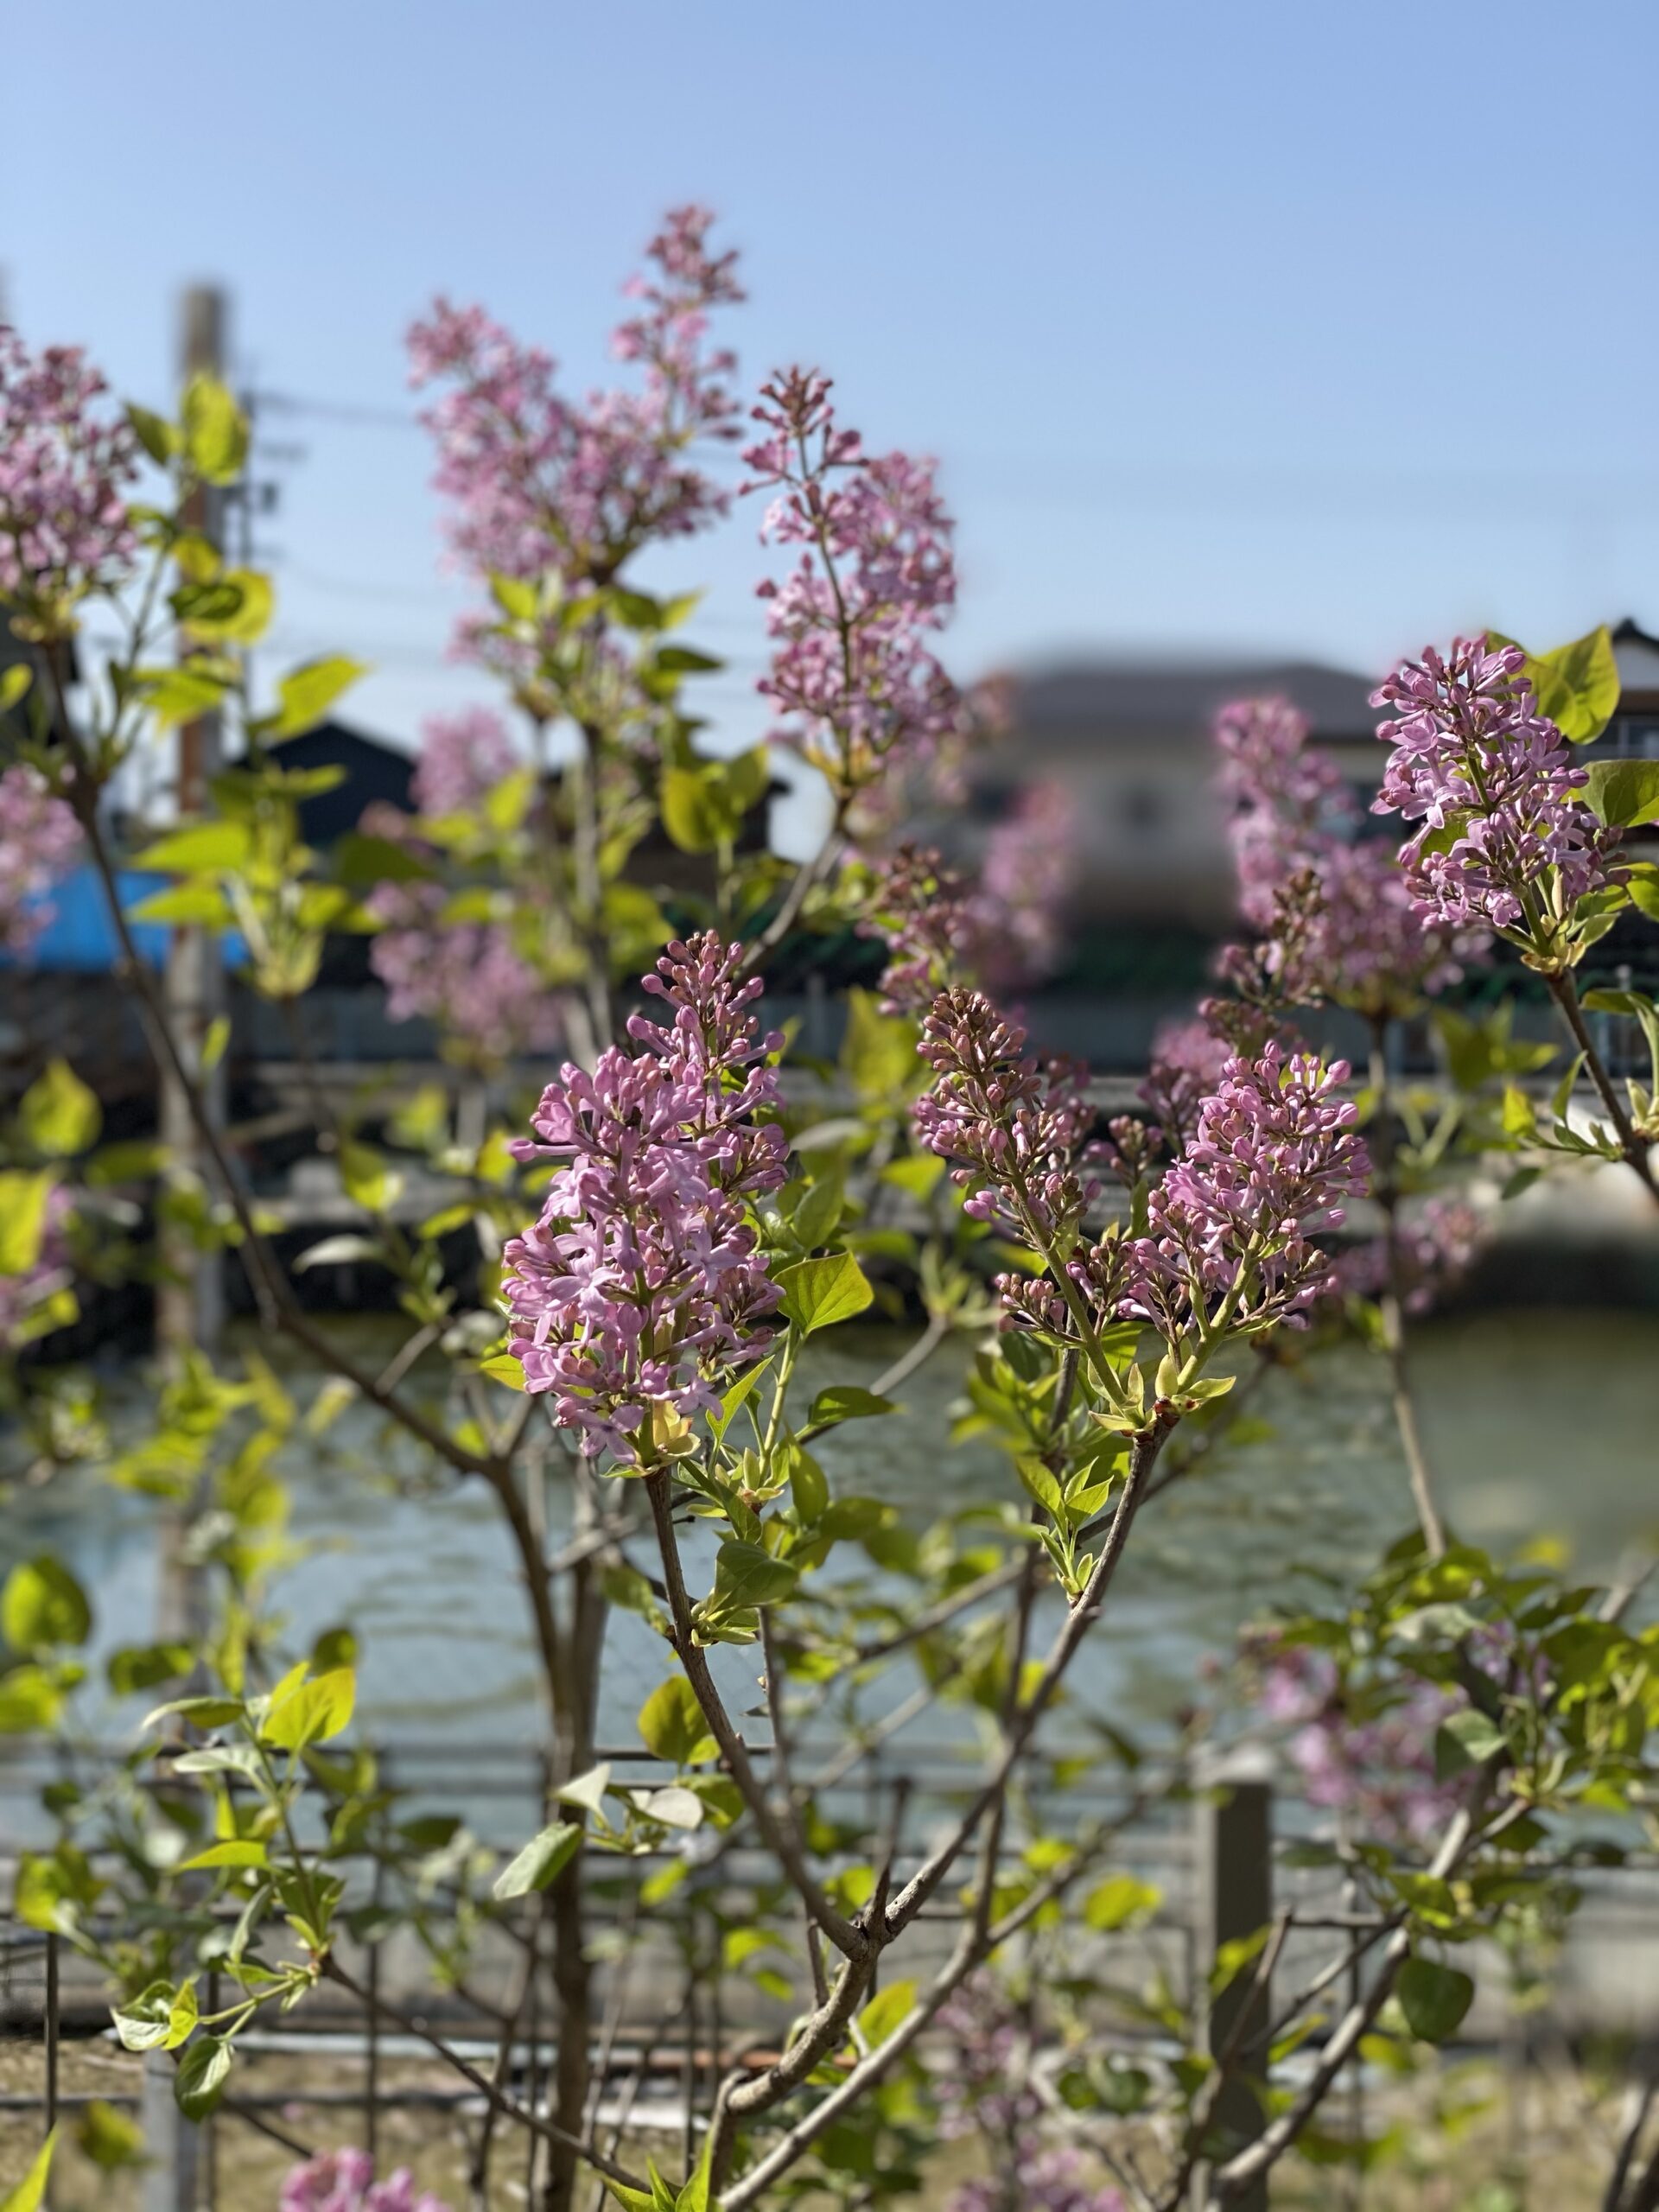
column 1468, row 2138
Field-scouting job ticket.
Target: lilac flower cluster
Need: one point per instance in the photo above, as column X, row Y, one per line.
column 1434, row 1246
column 1006, row 932
column 1027, row 875
column 465, row 976
column 640, row 1286
column 539, row 482
column 343, row 2181
column 39, row 839
column 21, row 1295
column 1018, row 1128
column 1187, row 1062
column 1369, row 1760
column 1233, row 1221
column 65, row 527
column 463, row 757
column 1291, row 812
column 852, row 678
column 985, row 2092
column 1503, row 841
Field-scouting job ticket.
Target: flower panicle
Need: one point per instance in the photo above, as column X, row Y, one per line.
column 641, row 1284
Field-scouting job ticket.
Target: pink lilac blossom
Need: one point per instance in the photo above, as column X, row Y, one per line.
column 1290, row 810
column 465, row 976
column 39, row 839
column 1188, row 1060
column 343, row 2181
column 539, row 482
column 21, row 1294
column 463, row 757
column 986, row 2092
column 65, row 527
column 1027, row 875
column 853, row 679
column 1435, row 1245
column 640, row 1287
column 1490, row 780
column 1368, row 1759
column 1017, row 1127
column 1233, row 1220
column 941, row 932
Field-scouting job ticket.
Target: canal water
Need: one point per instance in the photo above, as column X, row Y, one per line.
column 1540, row 1424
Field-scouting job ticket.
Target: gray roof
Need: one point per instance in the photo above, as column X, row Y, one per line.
column 1100, row 699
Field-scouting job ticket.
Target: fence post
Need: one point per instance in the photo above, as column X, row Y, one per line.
column 1233, row 1868
column 170, row 2141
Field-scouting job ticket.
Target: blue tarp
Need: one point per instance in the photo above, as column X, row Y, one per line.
column 80, row 937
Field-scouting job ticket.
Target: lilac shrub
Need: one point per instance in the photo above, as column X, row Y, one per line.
column 66, row 465
column 641, row 1284
column 1291, row 812
column 537, row 480
column 1503, row 841
column 343, row 2181
column 40, row 840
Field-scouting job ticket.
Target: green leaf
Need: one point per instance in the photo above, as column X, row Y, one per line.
column 43, row 1608
column 159, row 2019
column 31, row 2190
column 141, row 1665
column 1578, row 685
column 111, row 2140
column 503, row 1367
column 30, row 1699
column 746, row 1574
column 694, row 2197
column 588, row 1790
column 204, row 849
column 1433, row 1998
column 180, row 694
column 359, row 859
column 885, row 2012
column 312, row 1712
column 878, row 1051
column 541, row 1857
column 22, row 1220
column 215, row 431
column 201, row 905
column 158, row 437
column 1466, row 1739
column 307, row 693
column 734, row 1398
column 808, row 1485
column 235, row 609
column 1119, row 1901
column 59, row 1115
column 1622, row 792
column 672, row 1726
column 200, row 2082
column 237, row 1850
column 818, row 1292
column 14, row 684
column 697, row 810
column 839, row 1402
column 1040, row 1483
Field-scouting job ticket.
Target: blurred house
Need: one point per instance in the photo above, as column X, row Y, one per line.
column 1130, row 741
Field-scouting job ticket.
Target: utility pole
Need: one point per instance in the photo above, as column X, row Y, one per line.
column 190, row 1304
column 190, row 1298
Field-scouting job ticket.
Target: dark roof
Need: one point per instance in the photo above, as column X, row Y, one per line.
column 373, row 769
column 1098, row 699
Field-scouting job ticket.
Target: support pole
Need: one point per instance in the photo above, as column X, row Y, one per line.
column 1234, row 1872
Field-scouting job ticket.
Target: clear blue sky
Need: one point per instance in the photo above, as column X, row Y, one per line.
column 1304, row 328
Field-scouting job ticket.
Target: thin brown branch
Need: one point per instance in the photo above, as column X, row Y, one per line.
column 854, row 1942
